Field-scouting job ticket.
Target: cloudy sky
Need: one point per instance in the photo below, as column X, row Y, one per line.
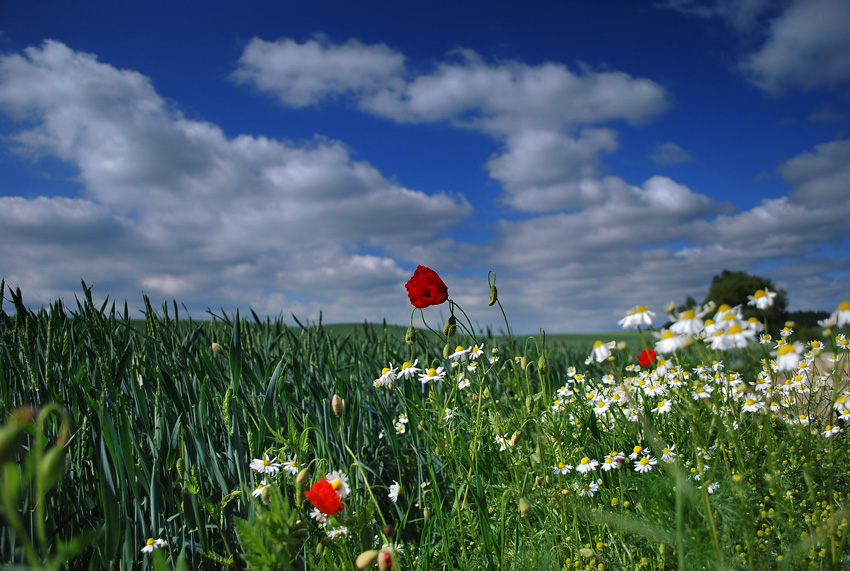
column 296, row 157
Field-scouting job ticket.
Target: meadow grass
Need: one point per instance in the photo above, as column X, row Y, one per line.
column 526, row 453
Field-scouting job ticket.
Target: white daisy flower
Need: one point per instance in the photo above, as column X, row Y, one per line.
column 265, row 466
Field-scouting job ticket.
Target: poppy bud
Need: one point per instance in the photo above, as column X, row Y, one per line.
column 543, row 365
column 447, row 350
column 529, row 404
column 493, row 295
column 524, row 507
column 266, row 495
column 388, row 530
column 366, row 558
column 217, row 348
column 410, row 336
column 385, row 560
column 523, row 362
column 515, row 438
column 426, row 513
column 538, row 480
column 450, row 328
column 302, row 476
column 338, row 406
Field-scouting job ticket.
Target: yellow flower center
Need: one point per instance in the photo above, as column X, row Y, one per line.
column 688, row 314
column 432, row 372
column 668, row 335
column 735, row 329
column 750, row 402
column 458, row 349
column 785, row 349
column 385, row 370
column 406, row 365
column 644, row 461
column 641, row 309
column 844, row 305
column 585, row 460
column 337, row 485
column 637, row 449
column 759, row 294
column 723, row 307
column 266, row 462
column 598, row 344
column 150, row 541
column 561, row 465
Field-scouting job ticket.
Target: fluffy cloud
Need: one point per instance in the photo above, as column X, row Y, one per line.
column 304, row 74
column 500, row 98
column 173, row 207
column 670, row 154
column 801, row 43
column 583, row 269
column 807, row 47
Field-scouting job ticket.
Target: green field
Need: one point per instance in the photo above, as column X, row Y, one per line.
column 121, row 433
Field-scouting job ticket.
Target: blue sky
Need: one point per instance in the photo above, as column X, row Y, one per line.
column 296, row 158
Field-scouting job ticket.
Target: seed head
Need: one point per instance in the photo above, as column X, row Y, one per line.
column 338, row 406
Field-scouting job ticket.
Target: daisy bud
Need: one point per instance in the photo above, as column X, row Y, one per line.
column 447, row 350
column 426, row 513
column 217, row 348
column 366, row 558
column 302, row 476
column 385, row 560
column 622, row 346
column 338, row 406
column 450, row 328
column 493, row 295
column 543, row 365
column 410, row 336
column 671, row 307
column 524, row 507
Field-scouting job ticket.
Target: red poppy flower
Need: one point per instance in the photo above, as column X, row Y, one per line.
column 646, row 357
column 426, row 288
column 323, row 496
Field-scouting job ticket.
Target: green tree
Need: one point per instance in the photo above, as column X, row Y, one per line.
column 733, row 288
